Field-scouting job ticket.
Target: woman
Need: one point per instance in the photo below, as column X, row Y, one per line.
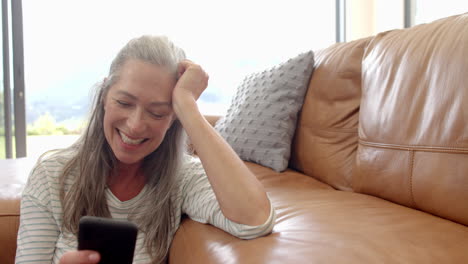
column 130, row 164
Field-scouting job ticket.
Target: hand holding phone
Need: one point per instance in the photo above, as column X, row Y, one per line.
column 113, row 239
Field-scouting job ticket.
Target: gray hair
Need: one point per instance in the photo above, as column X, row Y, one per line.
column 157, row 50
column 95, row 158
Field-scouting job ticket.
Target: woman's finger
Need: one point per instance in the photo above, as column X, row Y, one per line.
column 183, row 65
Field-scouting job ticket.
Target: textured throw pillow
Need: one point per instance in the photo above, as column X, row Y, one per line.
column 261, row 120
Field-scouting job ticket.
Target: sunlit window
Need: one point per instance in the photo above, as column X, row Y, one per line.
column 68, row 46
column 429, row 10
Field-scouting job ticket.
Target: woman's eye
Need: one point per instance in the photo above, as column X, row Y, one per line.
column 157, row 116
column 122, row 103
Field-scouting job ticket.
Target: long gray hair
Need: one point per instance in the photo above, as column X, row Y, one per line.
column 96, row 161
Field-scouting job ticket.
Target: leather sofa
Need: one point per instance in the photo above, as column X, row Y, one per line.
column 379, row 165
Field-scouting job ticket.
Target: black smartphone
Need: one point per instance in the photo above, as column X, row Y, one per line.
column 113, row 239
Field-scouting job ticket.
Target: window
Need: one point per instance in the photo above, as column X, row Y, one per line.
column 7, row 141
column 69, row 45
column 429, row 10
column 2, row 106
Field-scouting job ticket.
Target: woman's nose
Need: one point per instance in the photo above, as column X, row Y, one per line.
column 136, row 122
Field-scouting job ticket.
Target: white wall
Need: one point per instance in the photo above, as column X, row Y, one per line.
column 369, row 17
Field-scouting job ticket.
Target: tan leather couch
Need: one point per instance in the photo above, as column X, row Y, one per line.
column 379, row 168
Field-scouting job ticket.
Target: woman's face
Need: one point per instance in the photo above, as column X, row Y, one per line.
column 138, row 110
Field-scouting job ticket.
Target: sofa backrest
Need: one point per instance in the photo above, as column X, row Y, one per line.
column 388, row 116
column 413, row 125
column 326, row 137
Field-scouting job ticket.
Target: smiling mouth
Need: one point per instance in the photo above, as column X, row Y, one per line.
column 130, row 141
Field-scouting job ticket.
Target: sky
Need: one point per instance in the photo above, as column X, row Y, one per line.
column 229, row 39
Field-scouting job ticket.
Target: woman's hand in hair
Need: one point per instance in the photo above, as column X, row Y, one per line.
column 80, row 257
column 192, row 81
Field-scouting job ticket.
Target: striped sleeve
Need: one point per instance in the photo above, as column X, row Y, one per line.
column 200, row 204
column 38, row 230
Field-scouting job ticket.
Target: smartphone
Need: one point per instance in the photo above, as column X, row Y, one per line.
column 113, row 239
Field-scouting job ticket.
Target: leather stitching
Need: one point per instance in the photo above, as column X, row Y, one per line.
column 415, row 147
column 411, row 178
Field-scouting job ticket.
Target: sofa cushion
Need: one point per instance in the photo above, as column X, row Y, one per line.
column 326, row 137
column 413, row 133
column 317, row 224
column 260, row 122
column 9, row 223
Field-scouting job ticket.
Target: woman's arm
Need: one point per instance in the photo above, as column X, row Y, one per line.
column 241, row 196
column 39, row 231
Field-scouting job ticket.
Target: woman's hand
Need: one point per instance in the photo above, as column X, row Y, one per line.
column 80, row 257
column 192, row 81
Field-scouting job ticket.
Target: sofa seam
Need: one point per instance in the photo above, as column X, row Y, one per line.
column 421, row 148
column 412, row 153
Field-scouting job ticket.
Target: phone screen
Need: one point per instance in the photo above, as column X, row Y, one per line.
column 113, row 239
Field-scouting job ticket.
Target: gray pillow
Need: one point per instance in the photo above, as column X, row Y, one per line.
column 261, row 120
